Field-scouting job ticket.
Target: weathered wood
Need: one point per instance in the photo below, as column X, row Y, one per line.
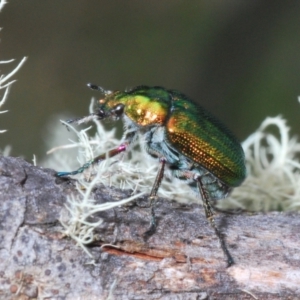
column 182, row 260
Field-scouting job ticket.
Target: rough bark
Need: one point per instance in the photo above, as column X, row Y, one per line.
column 181, row 260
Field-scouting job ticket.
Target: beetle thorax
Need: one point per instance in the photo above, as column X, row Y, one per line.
column 144, row 111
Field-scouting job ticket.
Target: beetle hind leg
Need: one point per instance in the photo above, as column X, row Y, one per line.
column 210, row 217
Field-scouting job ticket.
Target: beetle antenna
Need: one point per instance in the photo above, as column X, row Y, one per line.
column 85, row 119
column 99, row 88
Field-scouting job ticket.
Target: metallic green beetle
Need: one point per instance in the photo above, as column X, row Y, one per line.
column 182, row 135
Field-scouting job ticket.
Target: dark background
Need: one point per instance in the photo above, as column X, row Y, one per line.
column 239, row 59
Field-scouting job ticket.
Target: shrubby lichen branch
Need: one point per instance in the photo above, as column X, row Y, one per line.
column 6, row 85
column 273, row 181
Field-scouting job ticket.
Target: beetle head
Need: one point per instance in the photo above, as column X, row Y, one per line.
column 108, row 107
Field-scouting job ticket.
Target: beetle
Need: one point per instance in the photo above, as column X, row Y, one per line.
column 182, row 135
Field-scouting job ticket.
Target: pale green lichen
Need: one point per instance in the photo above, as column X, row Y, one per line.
column 2, row 3
column 272, row 159
column 81, row 208
column 273, row 181
column 4, row 85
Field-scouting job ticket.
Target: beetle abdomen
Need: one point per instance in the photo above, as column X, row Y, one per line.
column 196, row 134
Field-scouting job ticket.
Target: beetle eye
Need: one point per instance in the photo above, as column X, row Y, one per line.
column 118, row 110
column 100, row 114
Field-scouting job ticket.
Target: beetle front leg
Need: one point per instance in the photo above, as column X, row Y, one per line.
column 97, row 159
column 210, row 216
column 128, row 138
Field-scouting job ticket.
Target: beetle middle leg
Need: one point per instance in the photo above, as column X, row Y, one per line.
column 153, row 195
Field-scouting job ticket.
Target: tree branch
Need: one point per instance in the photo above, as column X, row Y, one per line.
column 182, row 259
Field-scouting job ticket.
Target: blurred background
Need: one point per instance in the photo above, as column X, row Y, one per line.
column 238, row 59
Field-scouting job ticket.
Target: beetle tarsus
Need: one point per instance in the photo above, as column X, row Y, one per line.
column 152, row 227
column 78, row 171
column 97, row 159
